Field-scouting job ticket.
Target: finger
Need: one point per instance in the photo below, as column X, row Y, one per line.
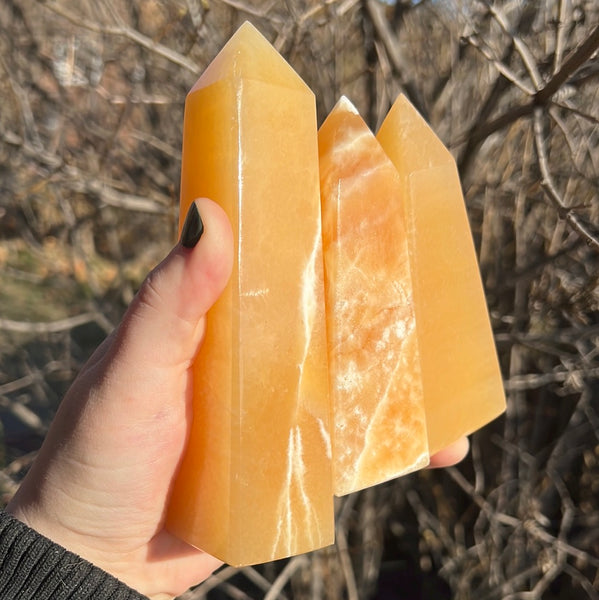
column 164, row 323
column 451, row 455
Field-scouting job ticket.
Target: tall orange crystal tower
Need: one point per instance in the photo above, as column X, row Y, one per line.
column 255, row 482
column 379, row 429
column 462, row 382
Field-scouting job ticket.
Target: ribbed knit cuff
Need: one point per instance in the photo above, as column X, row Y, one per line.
column 32, row 566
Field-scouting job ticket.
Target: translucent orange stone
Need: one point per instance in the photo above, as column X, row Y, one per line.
column 376, row 388
column 461, row 377
column 255, row 482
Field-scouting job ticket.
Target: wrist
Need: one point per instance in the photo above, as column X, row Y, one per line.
column 33, row 566
column 51, row 528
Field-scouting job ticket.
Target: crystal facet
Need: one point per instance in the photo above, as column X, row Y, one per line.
column 379, row 425
column 462, row 382
column 255, row 482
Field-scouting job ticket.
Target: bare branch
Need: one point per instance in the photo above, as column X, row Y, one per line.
column 394, row 52
column 212, row 582
column 346, row 566
column 28, row 380
column 129, row 33
column 550, row 188
column 542, row 96
column 564, row 9
column 87, row 184
column 257, row 578
column 296, row 563
column 476, row 42
column 484, row 130
column 48, row 326
column 491, row 513
column 381, row 24
column 576, row 59
column 521, row 48
column 29, row 126
column 247, row 8
column 531, row 381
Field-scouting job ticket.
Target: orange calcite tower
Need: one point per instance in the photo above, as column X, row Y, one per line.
column 462, row 382
column 255, row 483
column 379, row 427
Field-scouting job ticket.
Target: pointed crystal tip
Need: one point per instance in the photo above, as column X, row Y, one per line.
column 249, row 55
column 409, row 139
column 344, row 103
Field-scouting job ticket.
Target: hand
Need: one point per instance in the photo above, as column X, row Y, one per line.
column 451, row 455
column 100, row 483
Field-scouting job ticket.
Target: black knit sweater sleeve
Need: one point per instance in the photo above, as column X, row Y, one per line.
column 32, row 566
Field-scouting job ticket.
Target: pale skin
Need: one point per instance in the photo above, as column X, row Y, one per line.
column 100, row 484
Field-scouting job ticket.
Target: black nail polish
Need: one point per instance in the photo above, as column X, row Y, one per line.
column 193, row 228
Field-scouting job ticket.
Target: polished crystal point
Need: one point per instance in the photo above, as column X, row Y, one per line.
column 255, row 482
column 376, row 387
column 462, row 382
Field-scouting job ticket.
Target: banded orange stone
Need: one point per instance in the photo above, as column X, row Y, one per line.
column 376, row 389
column 255, row 482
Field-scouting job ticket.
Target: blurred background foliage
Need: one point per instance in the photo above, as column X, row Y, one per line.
column 91, row 110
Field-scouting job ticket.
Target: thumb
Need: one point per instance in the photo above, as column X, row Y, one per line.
column 164, row 324
column 102, row 476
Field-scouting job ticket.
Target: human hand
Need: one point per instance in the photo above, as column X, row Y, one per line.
column 451, row 455
column 100, row 483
